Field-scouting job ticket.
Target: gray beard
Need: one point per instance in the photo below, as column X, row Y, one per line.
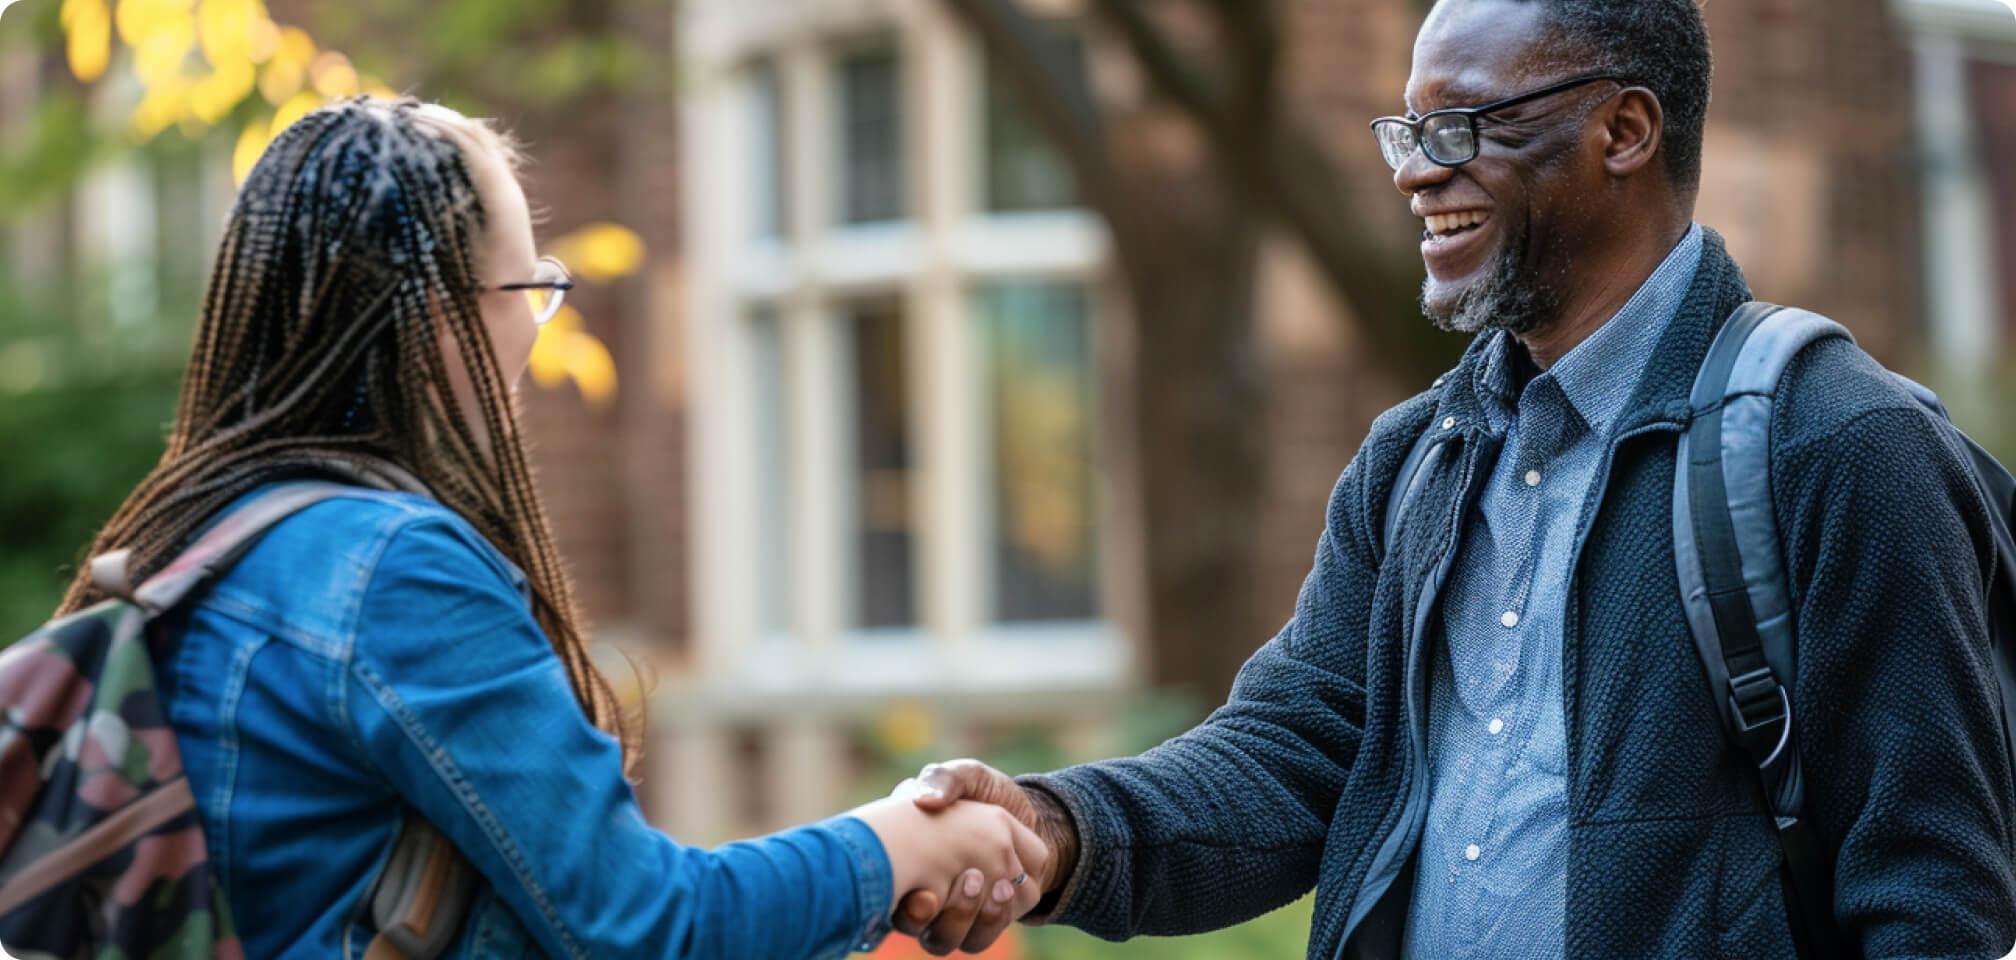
column 1506, row 299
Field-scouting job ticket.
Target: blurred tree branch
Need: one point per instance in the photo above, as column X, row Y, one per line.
column 1185, row 228
column 1288, row 169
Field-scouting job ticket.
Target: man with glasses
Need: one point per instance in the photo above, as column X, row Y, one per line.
column 1486, row 730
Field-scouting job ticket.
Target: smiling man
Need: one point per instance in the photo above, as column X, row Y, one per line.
column 1486, row 731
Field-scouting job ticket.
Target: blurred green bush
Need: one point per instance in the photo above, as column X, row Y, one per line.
column 68, row 457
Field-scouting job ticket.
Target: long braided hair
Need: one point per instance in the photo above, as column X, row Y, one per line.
column 347, row 268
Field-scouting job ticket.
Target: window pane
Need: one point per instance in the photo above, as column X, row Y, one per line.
column 886, row 548
column 871, row 136
column 767, row 160
column 1024, row 172
column 772, row 423
column 1039, row 375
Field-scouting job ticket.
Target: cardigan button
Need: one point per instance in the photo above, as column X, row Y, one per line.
column 1449, row 423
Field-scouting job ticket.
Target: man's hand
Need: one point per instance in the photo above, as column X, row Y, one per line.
column 966, row 923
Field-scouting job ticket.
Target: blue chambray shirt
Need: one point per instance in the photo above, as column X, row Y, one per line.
column 1491, row 880
column 374, row 654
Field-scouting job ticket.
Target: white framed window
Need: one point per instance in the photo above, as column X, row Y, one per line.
column 1021, row 171
column 868, row 83
column 1036, row 358
column 894, row 307
column 768, row 150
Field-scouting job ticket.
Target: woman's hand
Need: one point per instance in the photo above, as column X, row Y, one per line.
column 966, row 850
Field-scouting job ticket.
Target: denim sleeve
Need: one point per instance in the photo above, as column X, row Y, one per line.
column 1228, row 821
column 458, row 698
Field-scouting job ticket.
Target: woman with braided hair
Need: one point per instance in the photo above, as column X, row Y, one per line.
column 416, row 647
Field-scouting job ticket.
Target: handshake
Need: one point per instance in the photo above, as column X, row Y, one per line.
column 971, row 851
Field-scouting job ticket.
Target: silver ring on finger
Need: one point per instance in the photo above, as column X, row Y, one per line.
column 1020, row 878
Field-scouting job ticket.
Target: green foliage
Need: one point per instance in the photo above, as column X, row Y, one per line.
column 485, row 54
column 59, row 146
column 68, row 457
column 1281, row 935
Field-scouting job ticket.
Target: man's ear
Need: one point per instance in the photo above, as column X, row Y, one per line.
column 1633, row 129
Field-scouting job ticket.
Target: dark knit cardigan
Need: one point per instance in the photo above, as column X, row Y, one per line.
column 1312, row 774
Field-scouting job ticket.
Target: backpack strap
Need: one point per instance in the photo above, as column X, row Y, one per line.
column 420, row 896
column 1733, row 585
column 212, row 553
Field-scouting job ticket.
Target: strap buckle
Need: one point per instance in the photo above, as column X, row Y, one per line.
column 1759, row 701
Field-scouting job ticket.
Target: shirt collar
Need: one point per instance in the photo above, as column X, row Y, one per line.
column 1599, row 375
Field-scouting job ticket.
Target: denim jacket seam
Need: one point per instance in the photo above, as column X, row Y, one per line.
column 873, row 883
column 346, row 652
column 472, row 803
column 227, row 756
column 247, row 610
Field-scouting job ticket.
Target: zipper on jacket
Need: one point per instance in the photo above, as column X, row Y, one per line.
column 1387, row 863
column 1569, row 621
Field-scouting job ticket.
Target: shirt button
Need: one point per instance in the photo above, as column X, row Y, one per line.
column 1532, row 478
column 1510, row 619
column 1471, row 852
column 1449, row 423
column 1497, row 726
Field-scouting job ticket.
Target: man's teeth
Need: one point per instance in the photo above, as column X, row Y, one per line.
column 1452, row 222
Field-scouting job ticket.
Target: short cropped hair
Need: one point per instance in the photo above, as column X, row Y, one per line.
column 1661, row 45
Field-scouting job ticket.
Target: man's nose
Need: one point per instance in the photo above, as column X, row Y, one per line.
column 1419, row 173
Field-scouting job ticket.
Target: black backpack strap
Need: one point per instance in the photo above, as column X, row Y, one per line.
column 1734, row 587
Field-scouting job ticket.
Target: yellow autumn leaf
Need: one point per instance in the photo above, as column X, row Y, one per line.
column 296, row 107
column 566, row 350
column 549, row 354
column 213, row 97
column 160, row 33
column 159, row 109
column 592, row 368
column 333, row 76
column 281, row 79
column 295, row 46
column 138, row 18
column 601, row 252
column 88, row 28
column 262, row 40
column 252, row 143
column 224, row 30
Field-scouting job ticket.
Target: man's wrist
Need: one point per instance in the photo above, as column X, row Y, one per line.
column 1056, row 828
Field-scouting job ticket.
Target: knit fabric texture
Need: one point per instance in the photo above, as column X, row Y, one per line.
column 1313, row 771
column 1492, row 876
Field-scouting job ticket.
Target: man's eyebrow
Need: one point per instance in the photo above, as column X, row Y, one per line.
column 1455, row 93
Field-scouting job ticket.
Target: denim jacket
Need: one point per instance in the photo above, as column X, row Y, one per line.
column 372, row 654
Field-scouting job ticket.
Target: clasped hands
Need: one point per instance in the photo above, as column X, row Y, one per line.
column 971, row 852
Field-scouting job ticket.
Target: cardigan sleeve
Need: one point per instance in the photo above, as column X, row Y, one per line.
column 1908, row 778
column 1228, row 820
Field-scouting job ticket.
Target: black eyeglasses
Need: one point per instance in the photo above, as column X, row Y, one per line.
column 1449, row 136
column 547, row 288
